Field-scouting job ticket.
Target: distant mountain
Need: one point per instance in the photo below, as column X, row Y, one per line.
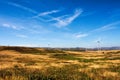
column 83, row 49
column 48, row 49
column 110, row 48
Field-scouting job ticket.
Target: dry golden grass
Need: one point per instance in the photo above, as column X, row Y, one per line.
column 90, row 65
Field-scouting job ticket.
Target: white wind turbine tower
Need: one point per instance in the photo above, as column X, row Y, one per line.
column 99, row 45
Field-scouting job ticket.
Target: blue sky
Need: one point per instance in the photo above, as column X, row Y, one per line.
column 60, row 23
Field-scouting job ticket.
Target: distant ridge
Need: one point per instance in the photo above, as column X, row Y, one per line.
column 83, row 49
column 30, row 49
column 108, row 48
column 51, row 50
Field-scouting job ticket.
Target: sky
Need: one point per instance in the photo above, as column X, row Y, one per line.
column 60, row 23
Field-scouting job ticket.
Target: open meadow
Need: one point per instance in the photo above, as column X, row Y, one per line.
column 20, row 63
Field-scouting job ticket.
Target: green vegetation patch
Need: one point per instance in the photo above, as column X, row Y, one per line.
column 71, row 57
column 114, row 68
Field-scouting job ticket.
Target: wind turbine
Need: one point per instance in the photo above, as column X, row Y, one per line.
column 48, row 46
column 99, row 47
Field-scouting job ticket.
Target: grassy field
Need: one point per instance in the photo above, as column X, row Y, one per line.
column 52, row 64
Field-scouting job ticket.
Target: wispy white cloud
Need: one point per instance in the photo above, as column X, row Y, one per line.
column 6, row 25
column 26, row 9
column 46, row 13
column 61, row 22
column 107, row 27
column 80, row 35
column 45, row 16
column 22, row 36
column 22, row 7
column 11, row 26
column 58, row 18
